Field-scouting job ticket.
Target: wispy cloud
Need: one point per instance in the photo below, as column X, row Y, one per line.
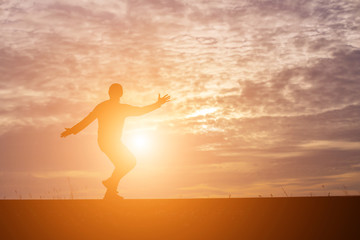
column 272, row 85
column 64, row 174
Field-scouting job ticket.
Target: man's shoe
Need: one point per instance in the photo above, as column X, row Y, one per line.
column 108, row 185
column 111, row 195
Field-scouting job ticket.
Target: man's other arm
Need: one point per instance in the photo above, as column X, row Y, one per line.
column 81, row 125
column 138, row 111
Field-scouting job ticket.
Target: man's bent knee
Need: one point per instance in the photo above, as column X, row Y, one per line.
column 128, row 165
column 132, row 163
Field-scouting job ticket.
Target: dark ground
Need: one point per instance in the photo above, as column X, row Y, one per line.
column 249, row 218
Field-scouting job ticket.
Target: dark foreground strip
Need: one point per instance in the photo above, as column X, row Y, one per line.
column 260, row 218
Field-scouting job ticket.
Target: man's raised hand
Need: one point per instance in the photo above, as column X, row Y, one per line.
column 163, row 99
column 66, row 133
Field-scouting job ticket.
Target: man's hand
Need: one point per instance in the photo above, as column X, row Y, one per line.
column 66, row 133
column 163, row 99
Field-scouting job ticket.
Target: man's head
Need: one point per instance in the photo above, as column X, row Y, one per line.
column 115, row 91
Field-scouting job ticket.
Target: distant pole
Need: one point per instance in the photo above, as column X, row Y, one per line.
column 71, row 189
column 284, row 191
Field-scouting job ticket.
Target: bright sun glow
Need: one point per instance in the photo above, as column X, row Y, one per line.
column 139, row 143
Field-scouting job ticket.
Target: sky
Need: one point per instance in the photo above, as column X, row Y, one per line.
column 265, row 96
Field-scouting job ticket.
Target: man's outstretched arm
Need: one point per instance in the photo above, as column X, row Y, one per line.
column 79, row 126
column 138, row 111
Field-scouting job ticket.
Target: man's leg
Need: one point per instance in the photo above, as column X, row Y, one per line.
column 113, row 181
column 123, row 161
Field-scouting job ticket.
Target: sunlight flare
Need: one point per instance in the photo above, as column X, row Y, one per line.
column 139, row 143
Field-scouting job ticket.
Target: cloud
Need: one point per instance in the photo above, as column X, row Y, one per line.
column 282, row 76
column 332, row 145
column 329, row 83
column 62, row 174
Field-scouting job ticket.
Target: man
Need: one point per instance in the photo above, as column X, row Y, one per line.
column 111, row 115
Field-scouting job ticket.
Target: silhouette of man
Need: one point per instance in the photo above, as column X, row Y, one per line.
column 111, row 115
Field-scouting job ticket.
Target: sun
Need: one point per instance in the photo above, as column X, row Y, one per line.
column 139, row 143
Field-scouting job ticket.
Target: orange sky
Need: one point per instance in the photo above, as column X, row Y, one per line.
column 266, row 95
